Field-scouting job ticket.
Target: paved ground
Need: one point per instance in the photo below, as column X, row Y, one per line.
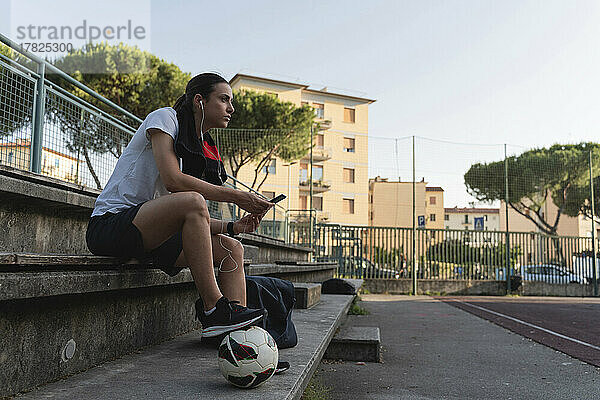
column 186, row 368
column 433, row 350
column 571, row 325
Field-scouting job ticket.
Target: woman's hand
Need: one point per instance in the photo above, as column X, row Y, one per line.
column 249, row 223
column 254, row 204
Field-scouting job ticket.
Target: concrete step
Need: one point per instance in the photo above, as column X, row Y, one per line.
column 307, row 294
column 252, row 253
column 355, row 343
column 184, row 368
column 108, row 311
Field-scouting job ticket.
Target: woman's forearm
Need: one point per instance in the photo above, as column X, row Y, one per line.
column 185, row 182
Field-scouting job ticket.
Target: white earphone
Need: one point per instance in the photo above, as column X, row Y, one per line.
column 202, row 122
column 229, row 252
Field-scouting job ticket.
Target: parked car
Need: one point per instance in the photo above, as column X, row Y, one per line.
column 362, row 268
column 551, row 274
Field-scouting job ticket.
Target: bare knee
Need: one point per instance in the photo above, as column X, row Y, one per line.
column 195, row 205
column 237, row 250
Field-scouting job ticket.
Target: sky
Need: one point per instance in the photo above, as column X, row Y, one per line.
column 475, row 73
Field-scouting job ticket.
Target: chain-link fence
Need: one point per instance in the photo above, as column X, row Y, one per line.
column 403, row 207
column 447, row 210
column 46, row 129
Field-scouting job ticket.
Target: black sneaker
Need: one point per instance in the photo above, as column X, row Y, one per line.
column 228, row 316
column 282, row 366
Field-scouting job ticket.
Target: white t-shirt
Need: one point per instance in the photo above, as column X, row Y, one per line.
column 136, row 178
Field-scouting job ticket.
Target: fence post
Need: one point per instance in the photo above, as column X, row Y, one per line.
column 414, row 231
column 286, row 234
column 507, row 240
column 594, row 266
column 37, row 133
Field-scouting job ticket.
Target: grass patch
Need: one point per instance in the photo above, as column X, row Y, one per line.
column 316, row 390
column 434, row 293
column 355, row 309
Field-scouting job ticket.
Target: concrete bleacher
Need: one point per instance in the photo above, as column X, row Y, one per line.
column 64, row 311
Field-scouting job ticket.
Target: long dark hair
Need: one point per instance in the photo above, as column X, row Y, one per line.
column 203, row 84
column 187, row 145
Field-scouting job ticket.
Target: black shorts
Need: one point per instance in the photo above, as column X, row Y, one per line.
column 115, row 235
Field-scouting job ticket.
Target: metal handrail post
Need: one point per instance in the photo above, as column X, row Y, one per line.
column 414, row 230
column 37, row 131
column 594, row 266
column 508, row 288
column 286, row 228
column 274, row 222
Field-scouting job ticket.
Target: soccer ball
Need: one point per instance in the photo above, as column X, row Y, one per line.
column 248, row 358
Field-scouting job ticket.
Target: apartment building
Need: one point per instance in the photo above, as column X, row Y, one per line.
column 478, row 219
column 340, row 153
column 54, row 163
column 391, row 204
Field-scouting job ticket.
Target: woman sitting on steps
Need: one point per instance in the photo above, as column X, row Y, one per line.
column 154, row 204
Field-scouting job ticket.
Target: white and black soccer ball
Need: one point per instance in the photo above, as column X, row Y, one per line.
column 248, row 358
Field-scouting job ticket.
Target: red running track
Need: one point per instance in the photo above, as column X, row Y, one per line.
column 567, row 324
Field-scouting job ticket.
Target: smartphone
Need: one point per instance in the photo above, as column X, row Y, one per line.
column 278, row 198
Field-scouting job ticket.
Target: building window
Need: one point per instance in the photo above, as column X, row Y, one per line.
column 319, row 110
column 348, row 175
column 348, row 206
column 10, row 157
column 56, row 162
column 272, row 94
column 447, row 217
column 317, row 173
column 303, row 173
column 432, row 217
column 303, row 202
column 320, row 140
column 432, row 200
column 270, row 168
column 349, row 114
column 318, row 203
column 349, row 144
column 485, row 217
column 466, row 218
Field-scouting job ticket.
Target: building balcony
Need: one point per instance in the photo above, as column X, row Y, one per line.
column 319, row 186
column 320, row 153
column 323, row 216
column 324, row 124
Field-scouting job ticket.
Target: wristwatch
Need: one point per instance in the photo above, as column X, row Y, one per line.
column 230, row 231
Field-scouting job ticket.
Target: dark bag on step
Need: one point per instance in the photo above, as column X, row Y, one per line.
column 277, row 297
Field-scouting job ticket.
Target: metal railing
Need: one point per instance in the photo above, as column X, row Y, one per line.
column 443, row 254
column 47, row 130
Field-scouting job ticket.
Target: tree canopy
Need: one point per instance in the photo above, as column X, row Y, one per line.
column 559, row 174
column 135, row 80
column 262, row 128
